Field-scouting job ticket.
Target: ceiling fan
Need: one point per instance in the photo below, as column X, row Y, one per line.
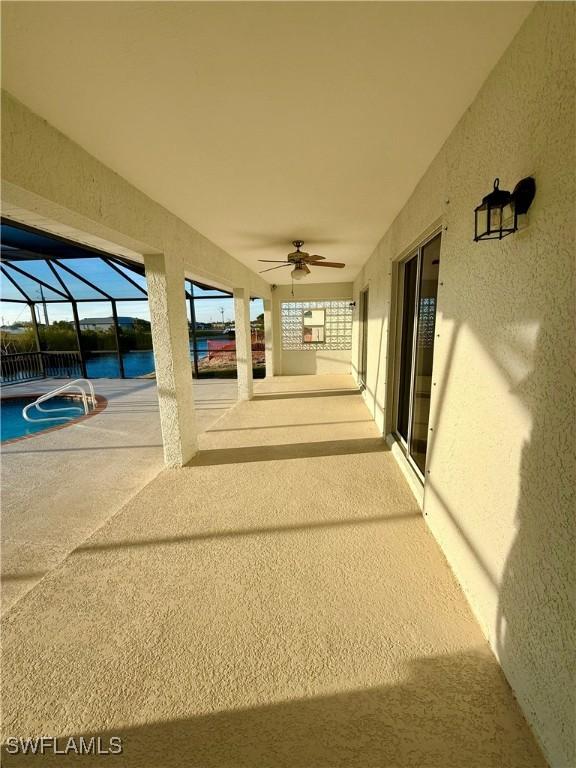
column 301, row 262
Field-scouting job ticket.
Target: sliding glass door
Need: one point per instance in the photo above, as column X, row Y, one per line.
column 418, row 289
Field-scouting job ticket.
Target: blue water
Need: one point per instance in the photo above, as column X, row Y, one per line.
column 13, row 424
column 105, row 365
column 136, row 363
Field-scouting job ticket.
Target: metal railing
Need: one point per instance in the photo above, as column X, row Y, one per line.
column 24, row 366
column 77, row 384
column 62, row 364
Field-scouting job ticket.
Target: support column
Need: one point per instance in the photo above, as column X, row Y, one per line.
column 243, row 343
column 166, row 298
column 268, row 338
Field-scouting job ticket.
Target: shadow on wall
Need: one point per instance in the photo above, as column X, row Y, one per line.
column 441, row 716
column 535, row 623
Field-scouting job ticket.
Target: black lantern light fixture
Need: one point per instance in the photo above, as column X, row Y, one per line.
column 497, row 215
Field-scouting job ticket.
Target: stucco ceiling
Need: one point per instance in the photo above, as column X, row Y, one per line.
column 258, row 123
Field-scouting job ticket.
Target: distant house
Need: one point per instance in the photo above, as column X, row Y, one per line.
column 105, row 323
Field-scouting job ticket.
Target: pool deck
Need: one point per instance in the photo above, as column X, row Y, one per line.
column 61, row 486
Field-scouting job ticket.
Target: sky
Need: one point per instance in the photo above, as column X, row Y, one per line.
column 207, row 310
column 121, row 282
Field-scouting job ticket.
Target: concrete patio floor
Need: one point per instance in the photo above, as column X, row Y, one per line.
column 58, row 487
column 278, row 602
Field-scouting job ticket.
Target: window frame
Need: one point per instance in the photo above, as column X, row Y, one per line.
column 314, row 325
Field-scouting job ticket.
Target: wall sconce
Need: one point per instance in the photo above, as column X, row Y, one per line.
column 497, row 215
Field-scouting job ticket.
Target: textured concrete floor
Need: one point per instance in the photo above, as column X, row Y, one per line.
column 279, row 602
column 58, row 487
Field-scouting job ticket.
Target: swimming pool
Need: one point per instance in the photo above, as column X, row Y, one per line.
column 13, row 425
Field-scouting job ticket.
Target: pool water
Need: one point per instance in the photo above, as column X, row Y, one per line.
column 13, row 424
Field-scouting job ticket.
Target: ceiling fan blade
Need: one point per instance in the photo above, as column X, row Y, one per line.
column 316, row 258
column 329, row 264
column 274, row 261
column 271, row 268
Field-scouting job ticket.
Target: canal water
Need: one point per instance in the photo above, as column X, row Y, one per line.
column 136, row 363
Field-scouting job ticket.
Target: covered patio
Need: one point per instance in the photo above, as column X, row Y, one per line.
column 364, row 559
column 312, row 622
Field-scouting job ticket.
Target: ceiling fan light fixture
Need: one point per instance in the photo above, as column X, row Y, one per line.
column 300, row 260
column 300, row 271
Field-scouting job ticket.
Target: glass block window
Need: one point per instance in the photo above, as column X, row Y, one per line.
column 337, row 329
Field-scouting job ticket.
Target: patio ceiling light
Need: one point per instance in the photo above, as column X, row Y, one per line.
column 300, row 271
column 497, row 215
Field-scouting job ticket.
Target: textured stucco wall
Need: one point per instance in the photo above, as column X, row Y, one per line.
column 499, row 496
column 290, row 362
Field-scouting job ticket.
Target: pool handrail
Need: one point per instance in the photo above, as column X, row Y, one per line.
column 76, row 384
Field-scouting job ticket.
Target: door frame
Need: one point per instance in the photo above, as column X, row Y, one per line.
column 398, row 306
